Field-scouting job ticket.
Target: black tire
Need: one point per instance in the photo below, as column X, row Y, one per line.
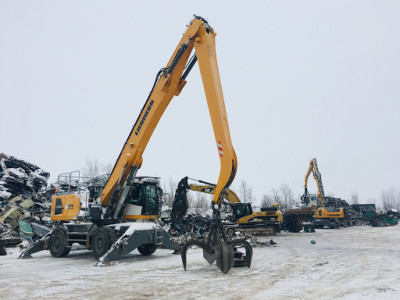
column 147, row 249
column 230, row 232
column 103, row 239
column 58, row 243
column 2, row 249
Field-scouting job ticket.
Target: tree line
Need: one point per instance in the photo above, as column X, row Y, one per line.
column 283, row 195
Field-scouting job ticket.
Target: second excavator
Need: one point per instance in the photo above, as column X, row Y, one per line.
column 238, row 216
column 324, row 215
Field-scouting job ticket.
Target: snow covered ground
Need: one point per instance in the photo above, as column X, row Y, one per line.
column 349, row 263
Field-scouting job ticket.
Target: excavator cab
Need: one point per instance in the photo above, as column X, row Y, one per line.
column 147, row 197
column 66, row 204
column 144, row 199
column 310, row 200
column 241, row 210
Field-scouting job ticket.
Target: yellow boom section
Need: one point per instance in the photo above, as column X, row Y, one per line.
column 200, row 36
column 313, row 167
column 210, row 189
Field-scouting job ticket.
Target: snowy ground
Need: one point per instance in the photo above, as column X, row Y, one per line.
column 349, row 263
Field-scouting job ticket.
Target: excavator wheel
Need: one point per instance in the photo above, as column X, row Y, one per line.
column 58, row 243
column 102, row 241
column 147, row 249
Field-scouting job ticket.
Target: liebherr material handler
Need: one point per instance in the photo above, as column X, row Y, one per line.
column 104, row 229
column 324, row 216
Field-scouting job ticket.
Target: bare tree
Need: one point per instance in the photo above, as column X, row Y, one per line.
column 167, row 198
column 354, row 198
column 169, row 192
column 287, row 196
column 107, row 168
column 92, row 169
column 201, row 203
column 252, row 198
column 390, row 199
column 245, row 192
column 191, row 202
column 266, row 201
column 275, row 196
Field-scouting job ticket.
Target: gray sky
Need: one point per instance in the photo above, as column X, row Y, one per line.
column 301, row 79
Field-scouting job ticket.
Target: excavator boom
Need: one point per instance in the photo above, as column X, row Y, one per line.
column 169, row 83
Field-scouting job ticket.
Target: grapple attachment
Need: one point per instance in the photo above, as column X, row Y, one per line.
column 217, row 247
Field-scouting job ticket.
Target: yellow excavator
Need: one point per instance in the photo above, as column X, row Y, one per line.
column 122, row 218
column 239, row 216
column 324, row 216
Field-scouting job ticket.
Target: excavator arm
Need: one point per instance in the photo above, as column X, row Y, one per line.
column 169, row 83
column 181, row 205
column 313, row 167
column 209, row 188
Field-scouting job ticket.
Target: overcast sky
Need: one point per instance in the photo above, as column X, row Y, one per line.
column 301, row 79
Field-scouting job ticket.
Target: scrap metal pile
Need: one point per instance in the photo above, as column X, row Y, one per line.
column 190, row 225
column 388, row 218
column 294, row 219
column 352, row 217
column 23, row 200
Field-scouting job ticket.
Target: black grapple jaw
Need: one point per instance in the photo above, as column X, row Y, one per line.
column 216, row 247
column 242, row 259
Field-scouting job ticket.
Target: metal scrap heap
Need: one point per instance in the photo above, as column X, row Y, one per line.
column 352, row 217
column 23, row 199
column 20, row 178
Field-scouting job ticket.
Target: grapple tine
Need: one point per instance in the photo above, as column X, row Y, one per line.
column 240, row 260
column 225, row 258
column 187, row 245
column 210, row 256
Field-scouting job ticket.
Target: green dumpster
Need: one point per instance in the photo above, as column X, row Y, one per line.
column 308, row 227
column 391, row 221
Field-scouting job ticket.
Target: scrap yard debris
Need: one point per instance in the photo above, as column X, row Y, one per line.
column 23, row 200
column 20, row 178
